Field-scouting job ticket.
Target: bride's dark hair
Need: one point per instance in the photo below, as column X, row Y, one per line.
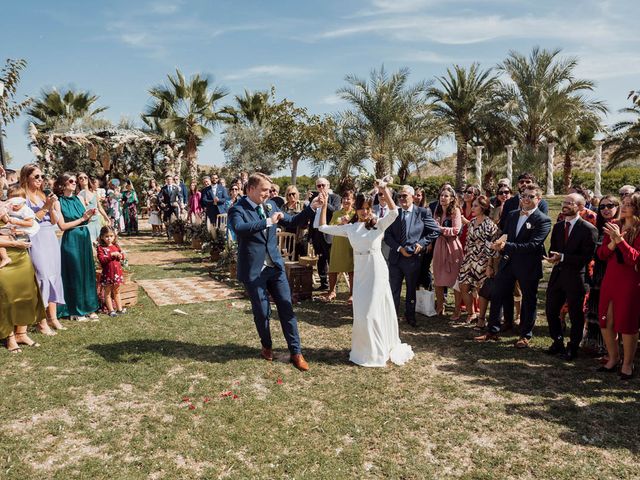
column 362, row 202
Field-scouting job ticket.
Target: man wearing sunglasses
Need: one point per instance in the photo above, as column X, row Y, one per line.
column 524, row 180
column 408, row 238
column 213, row 199
column 522, row 250
column 321, row 246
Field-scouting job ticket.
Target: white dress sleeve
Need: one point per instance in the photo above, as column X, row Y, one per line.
column 337, row 230
column 386, row 221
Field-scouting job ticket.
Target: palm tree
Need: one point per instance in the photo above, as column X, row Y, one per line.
column 379, row 107
column 625, row 138
column 542, row 90
column 460, row 101
column 67, row 109
column 250, row 108
column 186, row 108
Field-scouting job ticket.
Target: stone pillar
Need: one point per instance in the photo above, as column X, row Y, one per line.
column 551, row 146
column 598, row 177
column 479, row 165
column 510, row 164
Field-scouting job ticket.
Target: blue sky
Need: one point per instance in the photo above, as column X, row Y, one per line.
column 118, row 49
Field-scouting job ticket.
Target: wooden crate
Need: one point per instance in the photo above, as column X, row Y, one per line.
column 128, row 291
column 300, row 280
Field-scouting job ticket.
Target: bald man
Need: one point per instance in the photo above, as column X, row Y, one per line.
column 573, row 243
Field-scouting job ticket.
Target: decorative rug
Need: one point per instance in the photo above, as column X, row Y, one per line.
column 178, row 291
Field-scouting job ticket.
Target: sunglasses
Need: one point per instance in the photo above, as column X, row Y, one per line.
column 82, row 177
column 504, row 192
column 320, row 185
column 272, row 191
column 608, row 206
column 234, row 188
column 469, row 192
column 37, row 177
column 530, row 197
column 71, row 181
column 291, row 194
column 403, row 195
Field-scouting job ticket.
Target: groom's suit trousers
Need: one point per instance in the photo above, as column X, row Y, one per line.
column 273, row 280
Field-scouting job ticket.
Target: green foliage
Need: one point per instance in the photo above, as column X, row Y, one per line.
column 625, row 137
column 243, row 146
column 66, row 110
column 431, row 185
column 304, row 183
column 10, row 77
column 611, row 180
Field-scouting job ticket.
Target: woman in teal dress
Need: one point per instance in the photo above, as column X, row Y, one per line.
column 78, row 267
column 130, row 208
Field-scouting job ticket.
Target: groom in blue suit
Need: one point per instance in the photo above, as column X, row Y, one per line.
column 407, row 238
column 260, row 266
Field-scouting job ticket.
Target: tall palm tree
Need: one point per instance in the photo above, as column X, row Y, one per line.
column 379, row 106
column 625, row 138
column 541, row 90
column 68, row 108
column 186, row 108
column 250, row 108
column 460, row 101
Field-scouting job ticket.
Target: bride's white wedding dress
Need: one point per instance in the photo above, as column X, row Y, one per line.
column 375, row 338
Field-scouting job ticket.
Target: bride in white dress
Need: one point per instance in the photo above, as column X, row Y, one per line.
column 375, row 338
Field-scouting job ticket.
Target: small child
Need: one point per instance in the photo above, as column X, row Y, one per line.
column 154, row 216
column 20, row 214
column 110, row 255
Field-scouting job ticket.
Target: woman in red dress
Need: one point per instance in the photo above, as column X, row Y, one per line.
column 110, row 257
column 619, row 309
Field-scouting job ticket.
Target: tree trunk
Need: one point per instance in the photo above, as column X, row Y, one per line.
column 380, row 166
column 191, row 154
column 461, row 163
column 294, row 170
column 403, row 173
column 566, row 173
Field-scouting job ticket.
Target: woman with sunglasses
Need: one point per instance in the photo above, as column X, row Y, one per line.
column 608, row 211
column 293, row 206
column 45, row 249
column 504, row 193
column 469, row 195
column 78, row 267
column 619, row 309
column 234, row 196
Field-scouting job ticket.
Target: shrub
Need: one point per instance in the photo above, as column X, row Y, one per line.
column 611, row 181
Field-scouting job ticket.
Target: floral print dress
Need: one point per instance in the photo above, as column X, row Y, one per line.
column 111, row 267
column 478, row 252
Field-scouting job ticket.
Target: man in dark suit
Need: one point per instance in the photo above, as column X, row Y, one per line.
column 320, row 244
column 573, row 242
column 522, row 252
column 525, row 180
column 212, row 199
column 170, row 199
column 254, row 219
column 407, row 238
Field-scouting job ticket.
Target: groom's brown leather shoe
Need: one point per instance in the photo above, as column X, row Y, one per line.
column 267, row 354
column 299, row 362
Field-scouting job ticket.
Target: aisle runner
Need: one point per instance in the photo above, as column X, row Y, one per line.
column 176, row 291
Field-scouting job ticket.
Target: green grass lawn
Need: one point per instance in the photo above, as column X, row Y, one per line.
column 154, row 394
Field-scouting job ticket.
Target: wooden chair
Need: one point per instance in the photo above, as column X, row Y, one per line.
column 221, row 222
column 287, row 245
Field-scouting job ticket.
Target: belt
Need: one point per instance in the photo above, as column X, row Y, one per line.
column 366, row 252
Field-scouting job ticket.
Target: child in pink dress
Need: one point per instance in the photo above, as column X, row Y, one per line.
column 110, row 256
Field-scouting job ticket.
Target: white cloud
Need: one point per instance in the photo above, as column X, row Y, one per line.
column 604, row 65
column 279, row 71
column 424, row 56
column 164, row 8
column 331, row 100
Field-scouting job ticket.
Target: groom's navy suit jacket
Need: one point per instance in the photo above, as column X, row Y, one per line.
column 255, row 240
column 422, row 229
column 524, row 250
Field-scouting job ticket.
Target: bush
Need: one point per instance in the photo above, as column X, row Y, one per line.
column 431, row 185
column 611, row 181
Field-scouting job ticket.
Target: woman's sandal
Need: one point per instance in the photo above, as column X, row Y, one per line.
column 32, row 344
column 328, row 297
column 481, row 324
column 49, row 332
column 12, row 350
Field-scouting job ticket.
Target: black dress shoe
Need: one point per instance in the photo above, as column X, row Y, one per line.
column 571, row 355
column 411, row 321
column 322, row 286
column 556, row 348
column 604, row 369
column 627, row 376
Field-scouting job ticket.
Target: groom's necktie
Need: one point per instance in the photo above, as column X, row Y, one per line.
column 403, row 227
column 260, row 211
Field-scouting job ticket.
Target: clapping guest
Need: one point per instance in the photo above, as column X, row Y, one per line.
column 608, row 211
column 45, row 249
column 522, row 251
column 619, row 309
column 341, row 260
column 503, row 194
column 293, row 206
column 573, row 243
column 78, row 267
column 469, row 195
column 477, row 265
column 274, row 195
column 320, row 244
column 447, row 253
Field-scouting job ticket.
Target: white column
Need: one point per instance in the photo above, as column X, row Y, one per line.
column 479, row 165
column 550, row 151
column 598, row 177
column 510, row 164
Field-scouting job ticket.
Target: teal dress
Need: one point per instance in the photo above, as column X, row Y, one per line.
column 78, row 267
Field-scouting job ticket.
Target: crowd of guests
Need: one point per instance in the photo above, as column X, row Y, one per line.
column 481, row 255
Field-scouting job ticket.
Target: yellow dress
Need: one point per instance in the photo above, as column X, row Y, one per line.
column 20, row 299
column 341, row 257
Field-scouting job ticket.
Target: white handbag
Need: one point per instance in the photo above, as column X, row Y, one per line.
column 425, row 302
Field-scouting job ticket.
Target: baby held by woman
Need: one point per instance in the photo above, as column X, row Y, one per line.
column 17, row 218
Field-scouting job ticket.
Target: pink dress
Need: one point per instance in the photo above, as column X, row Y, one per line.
column 194, row 203
column 447, row 252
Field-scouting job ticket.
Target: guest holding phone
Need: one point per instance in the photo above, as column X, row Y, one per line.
column 78, row 267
